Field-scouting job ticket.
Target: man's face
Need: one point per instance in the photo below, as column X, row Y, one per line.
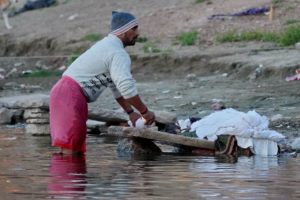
column 131, row 36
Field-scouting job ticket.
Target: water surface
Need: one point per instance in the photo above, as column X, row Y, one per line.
column 31, row 169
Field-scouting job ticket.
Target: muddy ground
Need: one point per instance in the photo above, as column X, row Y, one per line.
column 179, row 79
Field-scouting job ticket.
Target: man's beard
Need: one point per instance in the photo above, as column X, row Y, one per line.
column 131, row 42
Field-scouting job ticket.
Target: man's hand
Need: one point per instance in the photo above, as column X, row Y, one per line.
column 133, row 117
column 149, row 117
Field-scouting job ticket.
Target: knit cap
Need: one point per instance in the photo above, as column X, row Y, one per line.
column 122, row 22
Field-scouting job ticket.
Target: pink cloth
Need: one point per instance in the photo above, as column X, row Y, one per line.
column 295, row 77
column 68, row 115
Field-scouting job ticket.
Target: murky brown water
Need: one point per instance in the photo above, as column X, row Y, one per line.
column 30, row 169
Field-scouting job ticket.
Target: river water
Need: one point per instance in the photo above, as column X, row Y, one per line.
column 30, row 169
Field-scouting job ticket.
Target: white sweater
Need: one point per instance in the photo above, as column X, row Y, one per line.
column 105, row 64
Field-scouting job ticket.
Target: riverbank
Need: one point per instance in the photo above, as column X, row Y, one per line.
column 251, row 77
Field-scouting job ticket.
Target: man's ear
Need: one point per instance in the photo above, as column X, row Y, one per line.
column 121, row 36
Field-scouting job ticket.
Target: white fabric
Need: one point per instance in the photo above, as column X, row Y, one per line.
column 140, row 123
column 184, row 124
column 265, row 147
column 296, row 143
column 250, row 129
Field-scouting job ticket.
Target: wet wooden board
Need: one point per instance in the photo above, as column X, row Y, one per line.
column 159, row 136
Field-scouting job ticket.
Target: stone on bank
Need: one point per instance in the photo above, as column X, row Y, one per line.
column 32, row 109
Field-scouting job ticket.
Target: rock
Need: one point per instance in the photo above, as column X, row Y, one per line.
column 11, row 72
column 5, row 116
column 193, row 103
column 191, row 77
column 293, row 154
column 217, row 104
column 26, row 101
column 94, row 123
column 17, row 116
column 297, row 45
column 26, row 72
column 36, row 113
column 11, row 85
column 257, row 73
column 178, row 97
column 62, row 68
column 165, row 117
column 296, row 144
column 285, row 147
column 191, row 85
column 72, row 17
column 18, row 64
column 32, row 87
column 96, row 126
column 37, row 121
column 276, row 117
column 165, row 91
column 137, row 146
column 225, row 75
column 38, row 129
column 105, row 115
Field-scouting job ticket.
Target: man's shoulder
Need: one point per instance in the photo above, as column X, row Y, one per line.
column 121, row 55
column 110, row 44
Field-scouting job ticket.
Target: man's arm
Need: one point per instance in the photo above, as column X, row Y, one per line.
column 133, row 116
column 136, row 102
column 122, row 78
column 125, row 105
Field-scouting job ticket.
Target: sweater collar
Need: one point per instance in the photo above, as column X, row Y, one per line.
column 115, row 38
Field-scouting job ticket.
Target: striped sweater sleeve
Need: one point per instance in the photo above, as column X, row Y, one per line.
column 120, row 71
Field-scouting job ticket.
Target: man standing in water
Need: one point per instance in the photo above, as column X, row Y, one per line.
column 105, row 64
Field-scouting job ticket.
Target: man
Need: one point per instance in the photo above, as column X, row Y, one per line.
column 105, row 64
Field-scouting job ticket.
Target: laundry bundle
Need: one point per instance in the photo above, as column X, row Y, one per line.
column 250, row 129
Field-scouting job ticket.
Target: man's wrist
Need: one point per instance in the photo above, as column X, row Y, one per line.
column 144, row 111
column 129, row 111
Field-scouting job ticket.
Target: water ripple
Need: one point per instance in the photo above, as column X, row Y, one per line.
column 30, row 169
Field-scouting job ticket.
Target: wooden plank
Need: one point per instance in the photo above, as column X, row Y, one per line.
column 160, row 136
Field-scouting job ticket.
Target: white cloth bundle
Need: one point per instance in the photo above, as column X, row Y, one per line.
column 140, row 123
column 250, row 129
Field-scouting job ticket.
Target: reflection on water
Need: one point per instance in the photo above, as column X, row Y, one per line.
column 30, row 169
column 68, row 175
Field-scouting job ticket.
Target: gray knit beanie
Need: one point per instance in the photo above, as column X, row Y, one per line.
column 121, row 22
